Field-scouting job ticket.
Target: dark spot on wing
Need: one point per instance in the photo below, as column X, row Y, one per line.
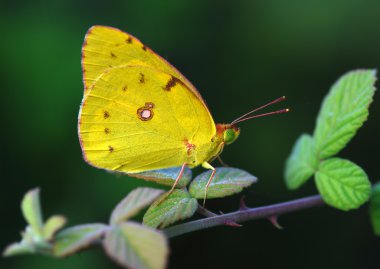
column 129, row 40
column 142, row 78
column 106, row 114
column 106, row 130
column 149, row 104
column 171, row 83
column 110, row 148
column 113, row 55
column 144, row 48
column 125, row 88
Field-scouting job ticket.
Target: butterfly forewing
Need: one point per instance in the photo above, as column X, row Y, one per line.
column 106, row 47
column 137, row 118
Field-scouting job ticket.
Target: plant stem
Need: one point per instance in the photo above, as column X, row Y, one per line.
column 245, row 214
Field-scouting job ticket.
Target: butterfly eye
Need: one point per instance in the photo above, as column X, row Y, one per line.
column 230, row 135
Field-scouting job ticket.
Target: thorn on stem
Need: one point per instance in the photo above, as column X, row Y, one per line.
column 242, row 205
column 232, row 223
column 275, row 223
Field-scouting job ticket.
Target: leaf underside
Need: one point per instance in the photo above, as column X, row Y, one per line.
column 135, row 246
column 76, row 238
column 166, row 176
column 169, row 209
column 31, row 210
column 135, row 201
column 227, row 181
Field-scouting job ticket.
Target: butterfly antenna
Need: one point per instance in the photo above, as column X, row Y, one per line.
column 282, row 98
column 265, row 114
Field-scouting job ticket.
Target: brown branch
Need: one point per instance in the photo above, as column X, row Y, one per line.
column 243, row 214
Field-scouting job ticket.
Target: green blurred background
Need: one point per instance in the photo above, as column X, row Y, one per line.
column 240, row 54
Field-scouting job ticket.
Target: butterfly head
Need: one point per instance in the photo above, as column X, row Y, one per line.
column 228, row 132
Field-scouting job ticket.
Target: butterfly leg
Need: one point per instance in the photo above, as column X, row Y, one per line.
column 208, row 166
column 222, row 162
column 179, row 176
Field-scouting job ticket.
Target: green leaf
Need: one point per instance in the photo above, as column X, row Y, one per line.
column 166, row 176
column 76, row 238
column 30, row 243
column 52, row 225
column 135, row 246
column 18, row 249
column 167, row 210
column 374, row 209
column 31, row 210
column 302, row 162
column 343, row 111
column 227, row 181
column 133, row 203
column 342, row 184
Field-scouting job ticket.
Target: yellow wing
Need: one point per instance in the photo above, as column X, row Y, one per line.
column 137, row 118
column 106, row 47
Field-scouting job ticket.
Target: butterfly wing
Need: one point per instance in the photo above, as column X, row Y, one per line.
column 106, row 47
column 137, row 118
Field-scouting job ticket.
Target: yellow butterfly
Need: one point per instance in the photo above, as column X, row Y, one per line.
column 139, row 113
